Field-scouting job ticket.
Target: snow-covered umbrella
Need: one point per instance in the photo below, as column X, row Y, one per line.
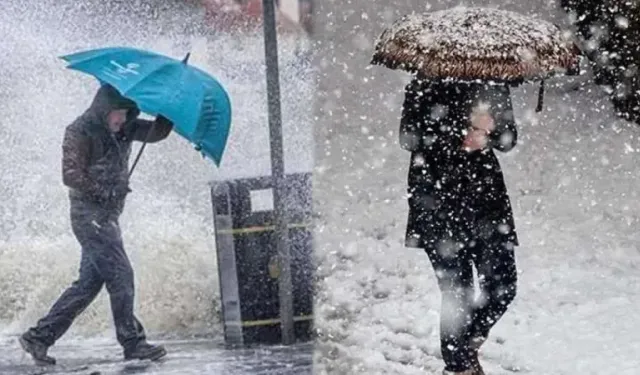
column 477, row 43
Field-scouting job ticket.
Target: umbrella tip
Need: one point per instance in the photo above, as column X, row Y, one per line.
column 186, row 58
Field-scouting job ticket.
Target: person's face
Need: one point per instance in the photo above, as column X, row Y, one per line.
column 116, row 119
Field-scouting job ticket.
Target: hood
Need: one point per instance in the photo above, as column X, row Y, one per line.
column 108, row 99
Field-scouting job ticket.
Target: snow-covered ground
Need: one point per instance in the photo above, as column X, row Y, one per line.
column 572, row 181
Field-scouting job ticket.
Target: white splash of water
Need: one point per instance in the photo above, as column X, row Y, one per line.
column 167, row 224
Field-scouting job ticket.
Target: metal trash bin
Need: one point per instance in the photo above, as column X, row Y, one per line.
column 247, row 258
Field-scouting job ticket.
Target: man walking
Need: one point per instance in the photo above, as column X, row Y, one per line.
column 95, row 162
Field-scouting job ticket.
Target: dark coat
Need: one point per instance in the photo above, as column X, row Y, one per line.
column 455, row 197
column 95, row 161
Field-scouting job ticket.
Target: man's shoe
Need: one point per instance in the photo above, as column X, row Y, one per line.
column 144, row 350
column 37, row 350
column 465, row 372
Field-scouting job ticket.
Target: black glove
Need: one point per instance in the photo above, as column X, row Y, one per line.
column 160, row 119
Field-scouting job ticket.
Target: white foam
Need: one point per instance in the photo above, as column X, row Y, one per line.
column 167, row 224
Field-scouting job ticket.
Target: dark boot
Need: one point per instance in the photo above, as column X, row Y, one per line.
column 144, row 350
column 37, row 350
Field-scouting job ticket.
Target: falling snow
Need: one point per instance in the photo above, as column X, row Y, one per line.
column 572, row 184
column 572, row 180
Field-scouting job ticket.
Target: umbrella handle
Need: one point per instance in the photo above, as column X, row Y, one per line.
column 540, row 96
column 144, row 144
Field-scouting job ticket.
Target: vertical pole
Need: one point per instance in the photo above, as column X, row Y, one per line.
column 277, row 171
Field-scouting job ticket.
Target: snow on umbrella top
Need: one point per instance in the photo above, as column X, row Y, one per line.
column 476, row 43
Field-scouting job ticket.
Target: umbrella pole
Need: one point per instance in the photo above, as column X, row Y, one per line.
column 540, row 97
column 277, row 171
column 135, row 162
column 144, row 144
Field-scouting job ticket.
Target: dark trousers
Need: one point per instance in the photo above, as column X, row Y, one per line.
column 103, row 262
column 462, row 318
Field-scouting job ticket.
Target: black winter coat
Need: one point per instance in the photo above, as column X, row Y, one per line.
column 95, row 160
column 456, row 197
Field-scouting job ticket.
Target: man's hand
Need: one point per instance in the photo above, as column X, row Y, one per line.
column 160, row 118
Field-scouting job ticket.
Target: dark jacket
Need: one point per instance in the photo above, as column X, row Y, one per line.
column 455, row 196
column 95, row 160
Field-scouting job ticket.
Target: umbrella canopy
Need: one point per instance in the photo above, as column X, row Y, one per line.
column 193, row 100
column 476, row 43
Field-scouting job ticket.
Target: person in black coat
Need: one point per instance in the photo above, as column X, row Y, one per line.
column 459, row 209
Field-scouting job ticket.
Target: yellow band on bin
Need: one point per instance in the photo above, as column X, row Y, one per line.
column 258, row 229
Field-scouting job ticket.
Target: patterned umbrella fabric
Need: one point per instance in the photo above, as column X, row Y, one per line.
column 477, row 43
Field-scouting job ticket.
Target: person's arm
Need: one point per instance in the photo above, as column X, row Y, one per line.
column 504, row 136
column 76, row 148
column 410, row 135
column 151, row 131
column 419, row 129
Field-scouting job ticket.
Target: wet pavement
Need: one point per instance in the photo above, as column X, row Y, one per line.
column 91, row 357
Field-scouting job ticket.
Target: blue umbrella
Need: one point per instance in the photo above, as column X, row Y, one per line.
column 193, row 100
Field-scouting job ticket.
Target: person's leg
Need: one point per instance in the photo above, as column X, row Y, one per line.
column 497, row 277
column 110, row 259
column 455, row 279
column 69, row 305
column 113, row 264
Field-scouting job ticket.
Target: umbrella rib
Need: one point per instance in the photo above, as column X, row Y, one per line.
column 148, row 76
column 110, row 51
